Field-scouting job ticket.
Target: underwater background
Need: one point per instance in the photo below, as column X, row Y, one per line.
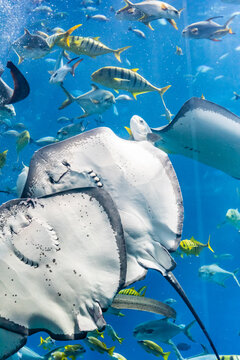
column 207, row 193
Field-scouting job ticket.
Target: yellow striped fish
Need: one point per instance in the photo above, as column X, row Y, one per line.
column 193, row 247
column 229, row 357
column 79, row 45
column 133, row 292
column 125, row 79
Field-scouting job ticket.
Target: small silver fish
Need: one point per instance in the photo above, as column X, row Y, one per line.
column 124, row 98
column 97, row 17
column 64, row 120
column 138, row 32
column 46, row 140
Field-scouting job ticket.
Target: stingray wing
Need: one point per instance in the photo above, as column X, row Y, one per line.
column 62, row 262
column 139, row 178
column 205, row 132
column 21, row 87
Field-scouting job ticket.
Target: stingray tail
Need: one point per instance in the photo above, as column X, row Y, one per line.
column 70, row 99
column 118, row 52
column 173, row 281
column 21, row 86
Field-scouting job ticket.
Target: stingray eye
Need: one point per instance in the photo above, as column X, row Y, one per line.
column 194, row 31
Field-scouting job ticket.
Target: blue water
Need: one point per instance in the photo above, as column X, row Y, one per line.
column 207, row 193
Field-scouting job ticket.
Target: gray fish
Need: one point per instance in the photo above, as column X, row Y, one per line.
column 208, row 29
column 97, row 17
column 124, row 98
column 46, row 140
column 214, row 273
column 64, row 120
column 21, row 88
column 42, row 9
column 138, row 32
column 30, row 46
column 153, row 10
column 95, row 101
column 70, row 130
column 161, row 330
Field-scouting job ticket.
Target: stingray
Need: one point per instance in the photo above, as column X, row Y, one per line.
column 142, row 183
column 21, row 87
column 203, row 131
column 57, row 272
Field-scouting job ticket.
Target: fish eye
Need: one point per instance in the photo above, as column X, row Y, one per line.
column 141, row 121
column 149, row 331
column 194, row 30
column 54, row 75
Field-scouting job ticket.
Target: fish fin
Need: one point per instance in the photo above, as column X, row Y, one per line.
column 120, row 80
column 11, row 342
column 187, row 330
column 129, row 3
column 41, row 341
column 143, row 17
column 96, row 38
column 149, row 25
column 43, row 34
column 164, row 89
column 231, row 32
column 20, row 59
column 142, row 290
column 214, row 17
column 128, row 130
column 26, row 32
column 74, row 66
column 173, row 23
column 94, row 87
column 208, row 245
column 180, row 10
column 111, row 349
column 213, row 39
column 163, row 6
column 118, row 52
column 51, row 72
column 69, row 32
column 135, row 70
column 229, row 20
column 135, row 94
column 117, row 91
column 234, row 276
column 69, row 99
column 166, row 355
column 236, row 271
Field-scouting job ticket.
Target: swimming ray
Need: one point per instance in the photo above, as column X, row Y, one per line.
column 57, row 272
column 203, row 131
column 142, row 182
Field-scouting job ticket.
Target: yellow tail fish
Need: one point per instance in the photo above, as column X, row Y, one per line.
column 22, row 141
column 3, row 158
column 193, row 247
column 153, row 348
column 90, row 46
column 125, row 79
